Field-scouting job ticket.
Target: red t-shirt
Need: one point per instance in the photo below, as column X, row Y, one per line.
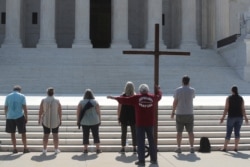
column 144, row 106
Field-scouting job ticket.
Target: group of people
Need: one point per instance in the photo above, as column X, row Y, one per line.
column 134, row 110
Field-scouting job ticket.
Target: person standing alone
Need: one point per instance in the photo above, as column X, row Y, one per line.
column 16, row 116
column 183, row 105
column 235, row 108
column 50, row 116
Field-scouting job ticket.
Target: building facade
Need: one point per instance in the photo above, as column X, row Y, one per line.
column 116, row 23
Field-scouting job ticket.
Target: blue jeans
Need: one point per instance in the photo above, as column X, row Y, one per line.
column 140, row 135
column 233, row 123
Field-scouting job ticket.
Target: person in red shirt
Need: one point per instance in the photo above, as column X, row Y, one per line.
column 144, row 104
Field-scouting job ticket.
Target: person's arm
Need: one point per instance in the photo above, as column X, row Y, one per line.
column 98, row 111
column 5, row 110
column 175, row 102
column 60, row 112
column 40, row 112
column 79, row 108
column 244, row 112
column 25, row 111
column 158, row 92
column 129, row 100
column 119, row 112
column 225, row 110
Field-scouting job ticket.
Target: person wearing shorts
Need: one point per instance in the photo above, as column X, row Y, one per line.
column 50, row 116
column 16, row 117
column 183, row 105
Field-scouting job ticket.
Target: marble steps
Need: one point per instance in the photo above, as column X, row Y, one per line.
column 206, row 124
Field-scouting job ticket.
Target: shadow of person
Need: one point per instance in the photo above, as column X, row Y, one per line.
column 126, row 159
column 43, row 157
column 187, row 157
column 84, row 157
column 239, row 155
column 10, row 157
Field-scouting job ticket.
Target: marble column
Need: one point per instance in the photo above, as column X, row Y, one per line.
column 247, row 66
column 47, row 25
column 222, row 19
column 154, row 17
column 82, row 24
column 13, row 20
column 120, row 24
column 189, row 39
column 247, row 21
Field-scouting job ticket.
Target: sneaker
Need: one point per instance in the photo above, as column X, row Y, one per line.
column 178, row 150
column 57, row 151
column 98, row 151
column 122, row 151
column 44, row 151
column 191, row 150
column 140, row 163
column 15, row 151
column 26, row 150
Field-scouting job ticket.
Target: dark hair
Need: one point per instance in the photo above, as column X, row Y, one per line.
column 50, row 91
column 235, row 90
column 185, row 80
column 88, row 94
column 17, row 88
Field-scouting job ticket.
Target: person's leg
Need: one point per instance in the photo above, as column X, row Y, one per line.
column 24, row 140
column 230, row 123
column 179, row 139
column 55, row 138
column 189, row 125
column 123, row 136
column 13, row 140
column 133, row 133
column 56, row 142
column 46, row 132
column 152, row 146
column 85, row 130
column 95, row 133
column 21, row 126
column 140, row 135
column 45, row 141
column 179, row 129
column 237, row 127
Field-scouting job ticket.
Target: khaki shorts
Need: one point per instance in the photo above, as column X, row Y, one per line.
column 186, row 121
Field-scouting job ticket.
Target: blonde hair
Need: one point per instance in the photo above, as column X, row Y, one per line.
column 129, row 89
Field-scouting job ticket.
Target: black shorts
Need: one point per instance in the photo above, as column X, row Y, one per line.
column 11, row 125
column 47, row 130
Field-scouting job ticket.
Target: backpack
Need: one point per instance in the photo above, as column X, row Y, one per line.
column 205, row 146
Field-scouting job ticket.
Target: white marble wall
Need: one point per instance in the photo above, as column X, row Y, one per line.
column 139, row 31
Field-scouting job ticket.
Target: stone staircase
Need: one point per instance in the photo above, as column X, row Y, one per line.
column 72, row 70
column 206, row 124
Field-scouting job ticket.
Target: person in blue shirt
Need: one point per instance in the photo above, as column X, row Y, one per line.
column 16, row 116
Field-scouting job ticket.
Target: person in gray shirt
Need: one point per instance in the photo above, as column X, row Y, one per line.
column 183, row 109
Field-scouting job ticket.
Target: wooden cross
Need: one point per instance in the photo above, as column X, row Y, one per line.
column 157, row 54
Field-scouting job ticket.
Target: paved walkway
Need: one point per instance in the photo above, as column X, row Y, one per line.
column 165, row 159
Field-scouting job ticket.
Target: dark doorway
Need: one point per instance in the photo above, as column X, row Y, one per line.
column 100, row 23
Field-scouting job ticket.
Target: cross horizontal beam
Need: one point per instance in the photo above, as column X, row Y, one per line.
column 159, row 53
